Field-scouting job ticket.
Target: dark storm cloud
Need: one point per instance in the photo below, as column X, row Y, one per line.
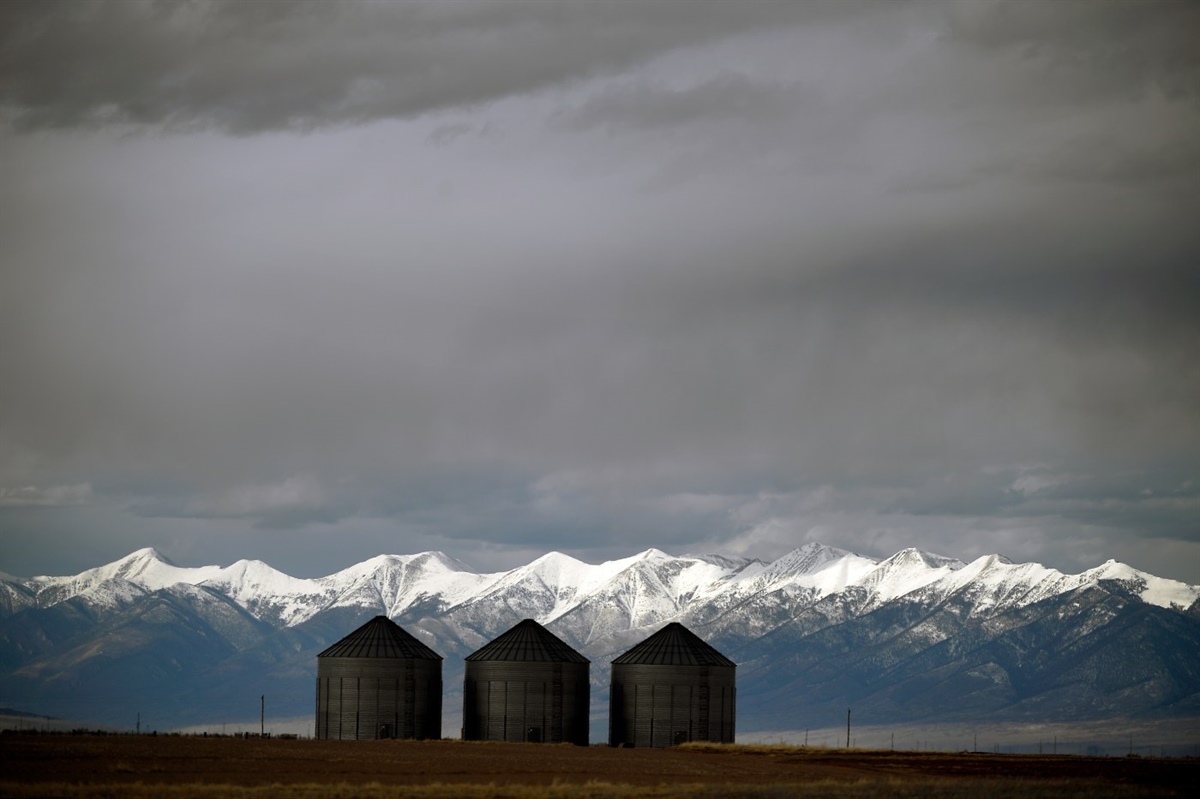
column 1122, row 48
column 726, row 96
column 248, row 67
column 724, row 281
column 1150, row 504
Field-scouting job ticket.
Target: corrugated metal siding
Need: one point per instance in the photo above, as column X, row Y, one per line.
column 656, row 706
column 373, row 697
column 532, row 701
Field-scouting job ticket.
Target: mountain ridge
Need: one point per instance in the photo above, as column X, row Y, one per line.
column 151, row 570
column 815, row 629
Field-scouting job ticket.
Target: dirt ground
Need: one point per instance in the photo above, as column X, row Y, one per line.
column 176, row 760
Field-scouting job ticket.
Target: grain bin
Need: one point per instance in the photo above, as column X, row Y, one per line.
column 526, row 685
column 379, row 682
column 669, row 689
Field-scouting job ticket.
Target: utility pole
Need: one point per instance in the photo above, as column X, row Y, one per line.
column 262, row 716
column 139, row 723
column 847, row 728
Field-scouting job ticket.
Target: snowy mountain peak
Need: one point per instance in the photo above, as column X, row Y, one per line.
column 808, row 558
column 145, row 554
column 422, row 561
column 253, row 578
column 143, row 561
column 145, row 568
column 441, row 560
column 553, row 571
column 556, row 560
column 1153, row 590
column 813, row 568
column 918, row 557
column 248, row 567
column 1114, row 570
column 907, row 571
column 732, row 564
column 135, row 563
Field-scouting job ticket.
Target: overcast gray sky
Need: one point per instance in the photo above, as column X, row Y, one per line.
column 310, row 282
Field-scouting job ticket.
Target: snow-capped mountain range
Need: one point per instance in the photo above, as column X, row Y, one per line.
column 915, row 635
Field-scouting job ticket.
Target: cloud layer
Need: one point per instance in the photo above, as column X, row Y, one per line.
column 501, row 278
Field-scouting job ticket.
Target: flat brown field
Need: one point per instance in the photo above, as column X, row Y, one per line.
column 126, row 765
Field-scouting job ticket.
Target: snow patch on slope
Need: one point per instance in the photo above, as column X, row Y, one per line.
column 907, row 571
column 815, row 567
column 1153, row 590
column 145, row 568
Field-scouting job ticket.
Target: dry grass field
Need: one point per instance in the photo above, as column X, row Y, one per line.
column 176, row 766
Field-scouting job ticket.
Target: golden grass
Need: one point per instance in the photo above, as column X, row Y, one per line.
column 757, row 749
column 710, row 747
column 922, row 788
column 68, row 767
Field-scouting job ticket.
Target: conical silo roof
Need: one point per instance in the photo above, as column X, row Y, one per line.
column 380, row 638
column 528, row 641
column 674, row 645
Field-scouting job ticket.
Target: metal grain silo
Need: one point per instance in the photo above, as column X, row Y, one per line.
column 669, row 689
column 379, row 682
column 527, row 685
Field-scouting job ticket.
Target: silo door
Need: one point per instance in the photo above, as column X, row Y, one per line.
column 533, row 735
column 681, row 737
column 387, row 731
